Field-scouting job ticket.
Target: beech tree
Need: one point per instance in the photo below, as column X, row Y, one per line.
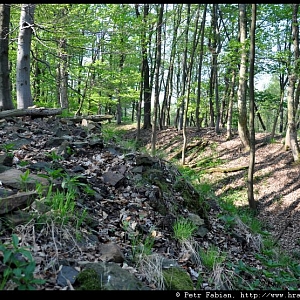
column 195, row 41
column 146, row 85
column 5, row 84
column 24, row 97
column 251, row 199
column 291, row 132
column 157, row 74
column 242, row 89
column 200, row 65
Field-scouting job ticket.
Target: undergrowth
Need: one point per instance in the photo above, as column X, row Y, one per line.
column 277, row 269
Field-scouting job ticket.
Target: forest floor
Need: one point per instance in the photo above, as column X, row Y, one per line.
column 215, row 162
column 276, row 177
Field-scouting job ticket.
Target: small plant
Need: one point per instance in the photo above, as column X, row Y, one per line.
column 70, row 151
column 52, row 174
column 80, row 219
column 228, row 220
column 183, row 229
column 23, row 163
column 8, row 148
column 211, row 256
column 54, row 156
column 73, row 183
column 147, row 245
column 19, row 266
column 62, row 203
column 25, row 179
column 140, row 246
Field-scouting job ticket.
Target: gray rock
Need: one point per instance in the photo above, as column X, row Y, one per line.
column 111, row 277
column 66, row 273
column 19, row 200
column 12, row 178
column 196, row 219
column 113, row 178
column 111, row 252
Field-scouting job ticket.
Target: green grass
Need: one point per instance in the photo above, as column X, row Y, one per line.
column 212, row 256
column 183, row 229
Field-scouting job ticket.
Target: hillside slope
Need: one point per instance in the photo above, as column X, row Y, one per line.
column 277, row 185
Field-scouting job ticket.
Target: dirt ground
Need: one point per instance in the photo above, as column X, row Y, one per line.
column 276, row 187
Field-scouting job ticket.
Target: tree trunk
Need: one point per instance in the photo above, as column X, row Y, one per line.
column 184, row 72
column 119, row 106
column 214, row 47
column 291, row 134
column 63, row 74
column 157, row 73
column 24, row 97
column 165, row 116
column 189, row 79
column 242, row 108
column 251, row 200
column 230, row 106
column 5, row 84
column 277, row 114
column 146, row 78
column 199, row 83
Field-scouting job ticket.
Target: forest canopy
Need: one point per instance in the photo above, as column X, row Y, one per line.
column 126, row 59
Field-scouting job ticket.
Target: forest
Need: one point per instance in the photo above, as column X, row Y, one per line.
column 186, row 77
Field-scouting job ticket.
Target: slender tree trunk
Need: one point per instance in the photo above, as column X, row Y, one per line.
column 291, row 134
column 24, row 97
column 242, row 108
column 251, row 200
column 157, row 72
column 184, row 70
column 223, row 111
column 63, row 74
column 89, row 75
column 259, row 117
column 119, row 106
column 147, row 86
column 139, row 108
column 189, row 79
column 277, row 114
column 214, row 47
column 211, row 93
column 5, row 84
column 230, row 106
column 199, row 83
column 168, row 90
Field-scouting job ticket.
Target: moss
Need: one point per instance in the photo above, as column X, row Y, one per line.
column 177, row 279
column 88, row 280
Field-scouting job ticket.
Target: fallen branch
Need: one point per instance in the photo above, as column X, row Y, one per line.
column 200, row 144
column 225, row 170
column 95, row 118
column 34, row 112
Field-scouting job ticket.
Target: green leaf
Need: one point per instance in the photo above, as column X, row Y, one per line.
column 15, row 240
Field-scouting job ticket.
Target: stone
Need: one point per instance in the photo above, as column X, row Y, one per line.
column 110, row 276
column 19, row 200
column 113, row 178
column 176, row 278
column 66, row 273
column 196, row 219
column 12, row 179
column 111, row 252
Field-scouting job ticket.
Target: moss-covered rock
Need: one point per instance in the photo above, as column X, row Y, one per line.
column 176, row 278
column 88, row 280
